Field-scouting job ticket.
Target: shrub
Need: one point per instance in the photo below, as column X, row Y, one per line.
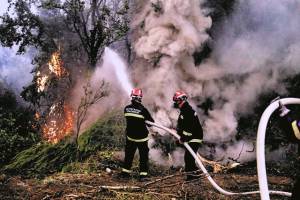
column 17, row 130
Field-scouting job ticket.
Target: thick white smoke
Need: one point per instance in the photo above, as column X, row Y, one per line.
column 15, row 70
column 257, row 47
column 172, row 31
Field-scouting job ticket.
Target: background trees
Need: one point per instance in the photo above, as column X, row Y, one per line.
column 18, row 128
column 45, row 23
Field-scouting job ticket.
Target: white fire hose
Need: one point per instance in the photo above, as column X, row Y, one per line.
column 260, row 144
column 210, row 179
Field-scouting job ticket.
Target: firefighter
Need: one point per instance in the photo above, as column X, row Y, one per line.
column 136, row 134
column 292, row 125
column 189, row 129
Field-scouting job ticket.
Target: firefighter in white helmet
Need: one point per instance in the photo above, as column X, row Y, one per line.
column 136, row 134
column 293, row 125
column 189, row 129
column 291, row 122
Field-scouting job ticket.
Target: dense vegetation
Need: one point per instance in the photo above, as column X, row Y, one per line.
column 44, row 158
column 17, row 127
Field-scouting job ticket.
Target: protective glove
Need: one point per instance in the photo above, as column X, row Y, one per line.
column 283, row 111
column 183, row 139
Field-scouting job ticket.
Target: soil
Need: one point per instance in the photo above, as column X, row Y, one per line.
column 165, row 185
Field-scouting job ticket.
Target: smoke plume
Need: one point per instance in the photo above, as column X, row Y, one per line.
column 15, row 70
column 257, row 47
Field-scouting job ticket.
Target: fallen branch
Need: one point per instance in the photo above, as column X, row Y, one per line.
column 236, row 159
column 107, row 187
column 78, row 195
column 161, row 179
column 217, row 167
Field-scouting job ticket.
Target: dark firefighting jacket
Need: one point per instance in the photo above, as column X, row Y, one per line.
column 136, row 129
column 188, row 125
column 294, row 124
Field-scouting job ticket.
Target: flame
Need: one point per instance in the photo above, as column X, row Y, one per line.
column 41, row 81
column 37, row 116
column 59, row 123
column 59, row 120
column 56, row 65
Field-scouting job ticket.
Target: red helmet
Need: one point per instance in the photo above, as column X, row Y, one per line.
column 179, row 96
column 136, row 94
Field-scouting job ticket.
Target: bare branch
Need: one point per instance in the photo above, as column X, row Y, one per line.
column 90, row 98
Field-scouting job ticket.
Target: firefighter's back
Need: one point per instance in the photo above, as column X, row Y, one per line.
column 135, row 120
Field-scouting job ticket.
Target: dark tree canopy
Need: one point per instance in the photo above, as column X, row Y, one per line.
column 21, row 28
column 96, row 23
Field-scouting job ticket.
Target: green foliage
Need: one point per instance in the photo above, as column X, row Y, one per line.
column 23, row 28
column 107, row 132
column 97, row 161
column 42, row 159
column 95, row 25
column 17, row 130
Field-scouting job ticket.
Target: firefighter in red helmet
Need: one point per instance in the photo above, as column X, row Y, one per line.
column 136, row 134
column 189, row 129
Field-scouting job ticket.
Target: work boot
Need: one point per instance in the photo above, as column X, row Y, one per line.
column 192, row 175
column 124, row 175
column 143, row 176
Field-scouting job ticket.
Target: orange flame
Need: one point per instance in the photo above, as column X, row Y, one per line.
column 59, row 121
column 56, row 65
column 59, row 124
column 41, row 81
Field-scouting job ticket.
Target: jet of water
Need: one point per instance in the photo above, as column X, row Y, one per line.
column 119, row 68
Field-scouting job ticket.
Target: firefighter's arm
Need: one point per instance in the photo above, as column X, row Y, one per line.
column 147, row 116
column 179, row 130
column 188, row 121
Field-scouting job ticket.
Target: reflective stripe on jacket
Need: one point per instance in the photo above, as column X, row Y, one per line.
column 136, row 129
column 295, row 126
column 188, row 125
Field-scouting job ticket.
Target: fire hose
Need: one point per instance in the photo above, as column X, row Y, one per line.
column 260, row 144
column 210, row 179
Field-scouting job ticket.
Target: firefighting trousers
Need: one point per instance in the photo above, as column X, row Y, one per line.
column 298, row 142
column 130, row 149
column 189, row 160
column 296, row 190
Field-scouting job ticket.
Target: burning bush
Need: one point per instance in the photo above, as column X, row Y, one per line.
column 43, row 159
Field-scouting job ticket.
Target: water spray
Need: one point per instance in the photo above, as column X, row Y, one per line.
column 210, row 179
column 119, row 68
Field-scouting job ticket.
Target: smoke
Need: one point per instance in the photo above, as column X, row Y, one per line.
column 15, row 70
column 113, row 71
column 257, row 47
column 172, row 31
